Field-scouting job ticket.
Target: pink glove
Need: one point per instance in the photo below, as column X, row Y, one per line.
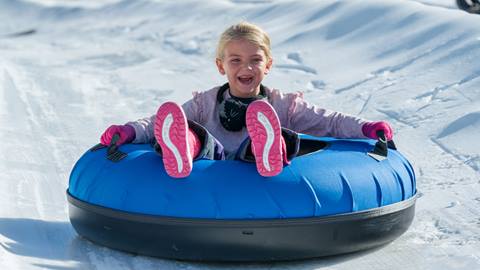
column 370, row 129
column 126, row 132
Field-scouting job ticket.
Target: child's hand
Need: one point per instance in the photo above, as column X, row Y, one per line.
column 126, row 132
column 370, row 130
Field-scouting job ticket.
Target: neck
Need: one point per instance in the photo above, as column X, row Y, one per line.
column 258, row 91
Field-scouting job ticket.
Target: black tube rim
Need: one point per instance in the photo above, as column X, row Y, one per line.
column 145, row 218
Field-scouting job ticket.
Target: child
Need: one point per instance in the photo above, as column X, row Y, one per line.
column 241, row 119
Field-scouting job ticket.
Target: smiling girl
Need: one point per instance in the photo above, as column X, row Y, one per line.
column 241, row 119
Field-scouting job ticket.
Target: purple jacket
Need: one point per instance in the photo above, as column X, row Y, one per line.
column 293, row 111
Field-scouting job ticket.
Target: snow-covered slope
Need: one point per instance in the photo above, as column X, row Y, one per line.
column 68, row 69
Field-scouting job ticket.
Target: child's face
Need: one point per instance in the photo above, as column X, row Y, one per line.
column 245, row 65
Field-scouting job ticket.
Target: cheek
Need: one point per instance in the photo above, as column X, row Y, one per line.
column 261, row 70
column 231, row 70
column 235, row 66
column 231, row 75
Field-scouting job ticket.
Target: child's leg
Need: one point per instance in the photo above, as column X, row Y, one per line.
column 211, row 148
column 292, row 144
column 289, row 150
column 178, row 143
column 175, row 145
column 265, row 131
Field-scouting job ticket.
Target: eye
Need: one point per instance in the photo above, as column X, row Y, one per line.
column 256, row 61
column 235, row 61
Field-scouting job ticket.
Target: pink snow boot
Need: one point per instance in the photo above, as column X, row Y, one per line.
column 265, row 131
column 179, row 143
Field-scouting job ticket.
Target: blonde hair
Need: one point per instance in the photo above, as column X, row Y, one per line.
column 247, row 31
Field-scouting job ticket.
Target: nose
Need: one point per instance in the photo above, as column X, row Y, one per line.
column 249, row 66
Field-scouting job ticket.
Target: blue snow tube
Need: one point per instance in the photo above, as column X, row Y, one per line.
column 333, row 198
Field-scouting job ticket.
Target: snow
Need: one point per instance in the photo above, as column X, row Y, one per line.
column 68, row 69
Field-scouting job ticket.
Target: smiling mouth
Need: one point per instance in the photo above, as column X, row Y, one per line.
column 245, row 80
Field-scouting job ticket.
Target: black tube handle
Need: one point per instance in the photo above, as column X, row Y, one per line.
column 113, row 152
column 112, row 147
column 380, row 151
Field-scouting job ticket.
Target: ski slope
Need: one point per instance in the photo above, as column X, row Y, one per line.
column 69, row 69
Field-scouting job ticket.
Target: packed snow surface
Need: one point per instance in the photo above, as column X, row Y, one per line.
column 69, row 69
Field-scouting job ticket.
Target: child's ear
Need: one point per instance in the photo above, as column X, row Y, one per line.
column 268, row 66
column 219, row 63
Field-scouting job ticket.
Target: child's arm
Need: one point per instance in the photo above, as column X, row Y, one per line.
column 370, row 129
column 144, row 127
column 126, row 133
column 193, row 109
column 309, row 119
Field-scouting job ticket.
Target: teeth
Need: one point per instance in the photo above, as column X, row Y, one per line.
column 245, row 79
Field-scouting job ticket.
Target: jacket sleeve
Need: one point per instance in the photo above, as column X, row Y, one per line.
column 310, row 119
column 143, row 129
column 193, row 108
